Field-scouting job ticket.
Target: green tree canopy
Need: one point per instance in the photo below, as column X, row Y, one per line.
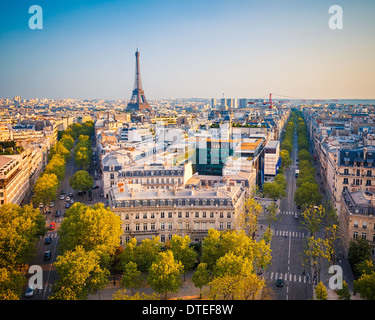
column 165, row 273
column 81, row 181
column 93, row 227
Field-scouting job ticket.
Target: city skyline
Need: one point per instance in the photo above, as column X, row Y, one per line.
column 240, row 49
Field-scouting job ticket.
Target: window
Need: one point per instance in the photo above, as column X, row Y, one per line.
column 137, row 227
column 137, row 215
column 187, row 225
column 169, row 214
column 355, row 224
column 204, row 214
column 180, row 214
column 197, row 214
column 170, row 225
column 196, row 227
column 364, row 235
column 145, row 215
column 161, row 214
column 346, row 181
column 229, row 215
column 355, row 235
column 162, row 226
column 221, row 215
column 162, row 238
column 358, row 173
column 127, row 228
column 204, row 225
column 152, row 225
column 221, row 226
column 127, row 239
column 229, row 225
column 112, row 176
column 364, row 225
column 368, row 182
column 186, row 214
column 127, row 216
column 369, row 173
column 373, row 238
column 152, row 215
column 346, row 171
column 145, row 227
column 211, row 214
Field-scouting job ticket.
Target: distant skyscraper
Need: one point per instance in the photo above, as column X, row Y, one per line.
column 213, row 103
column 242, row 103
column 138, row 100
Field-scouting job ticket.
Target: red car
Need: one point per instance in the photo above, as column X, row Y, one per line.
column 52, row 226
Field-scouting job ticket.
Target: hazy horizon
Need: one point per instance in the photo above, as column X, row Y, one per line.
column 242, row 49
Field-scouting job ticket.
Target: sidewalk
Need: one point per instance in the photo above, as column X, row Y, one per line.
column 186, row 292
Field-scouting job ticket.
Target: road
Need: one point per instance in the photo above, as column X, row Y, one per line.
column 287, row 246
column 49, row 272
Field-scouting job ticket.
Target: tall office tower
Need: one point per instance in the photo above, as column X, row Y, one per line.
column 242, row 103
column 138, row 100
column 213, row 103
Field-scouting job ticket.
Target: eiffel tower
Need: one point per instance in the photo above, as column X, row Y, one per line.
column 138, row 100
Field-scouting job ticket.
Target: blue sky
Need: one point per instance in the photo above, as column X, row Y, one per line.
column 188, row 49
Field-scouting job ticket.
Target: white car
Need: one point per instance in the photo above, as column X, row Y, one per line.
column 296, row 216
column 62, row 197
column 52, row 203
column 67, row 199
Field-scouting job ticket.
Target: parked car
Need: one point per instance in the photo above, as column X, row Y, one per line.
column 47, row 255
column 67, row 205
column 67, row 199
column 62, row 197
column 52, row 203
column 62, row 192
column 71, row 201
column 296, row 216
column 58, row 213
column 40, row 205
column 95, row 187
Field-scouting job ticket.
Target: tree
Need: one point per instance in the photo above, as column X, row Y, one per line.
column 365, row 286
column 307, row 194
column 11, row 283
column 321, row 291
column 270, row 213
column 60, row 149
column 316, row 253
column 56, row 166
column 67, row 141
column 286, row 161
column 165, row 273
column 312, row 219
column 79, row 273
column 147, row 252
column 45, row 189
column 183, row 252
column 359, row 251
column 304, row 155
column 247, row 219
column 20, row 228
column 132, row 277
column 274, row 190
column 344, row 293
column 201, row 277
column 93, row 227
column 234, row 278
column 81, row 181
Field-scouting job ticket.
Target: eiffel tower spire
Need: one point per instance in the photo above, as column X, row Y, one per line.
column 138, row 100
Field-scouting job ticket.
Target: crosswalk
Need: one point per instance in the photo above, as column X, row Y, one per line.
column 289, row 212
column 286, row 276
column 283, row 233
column 52, row 234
